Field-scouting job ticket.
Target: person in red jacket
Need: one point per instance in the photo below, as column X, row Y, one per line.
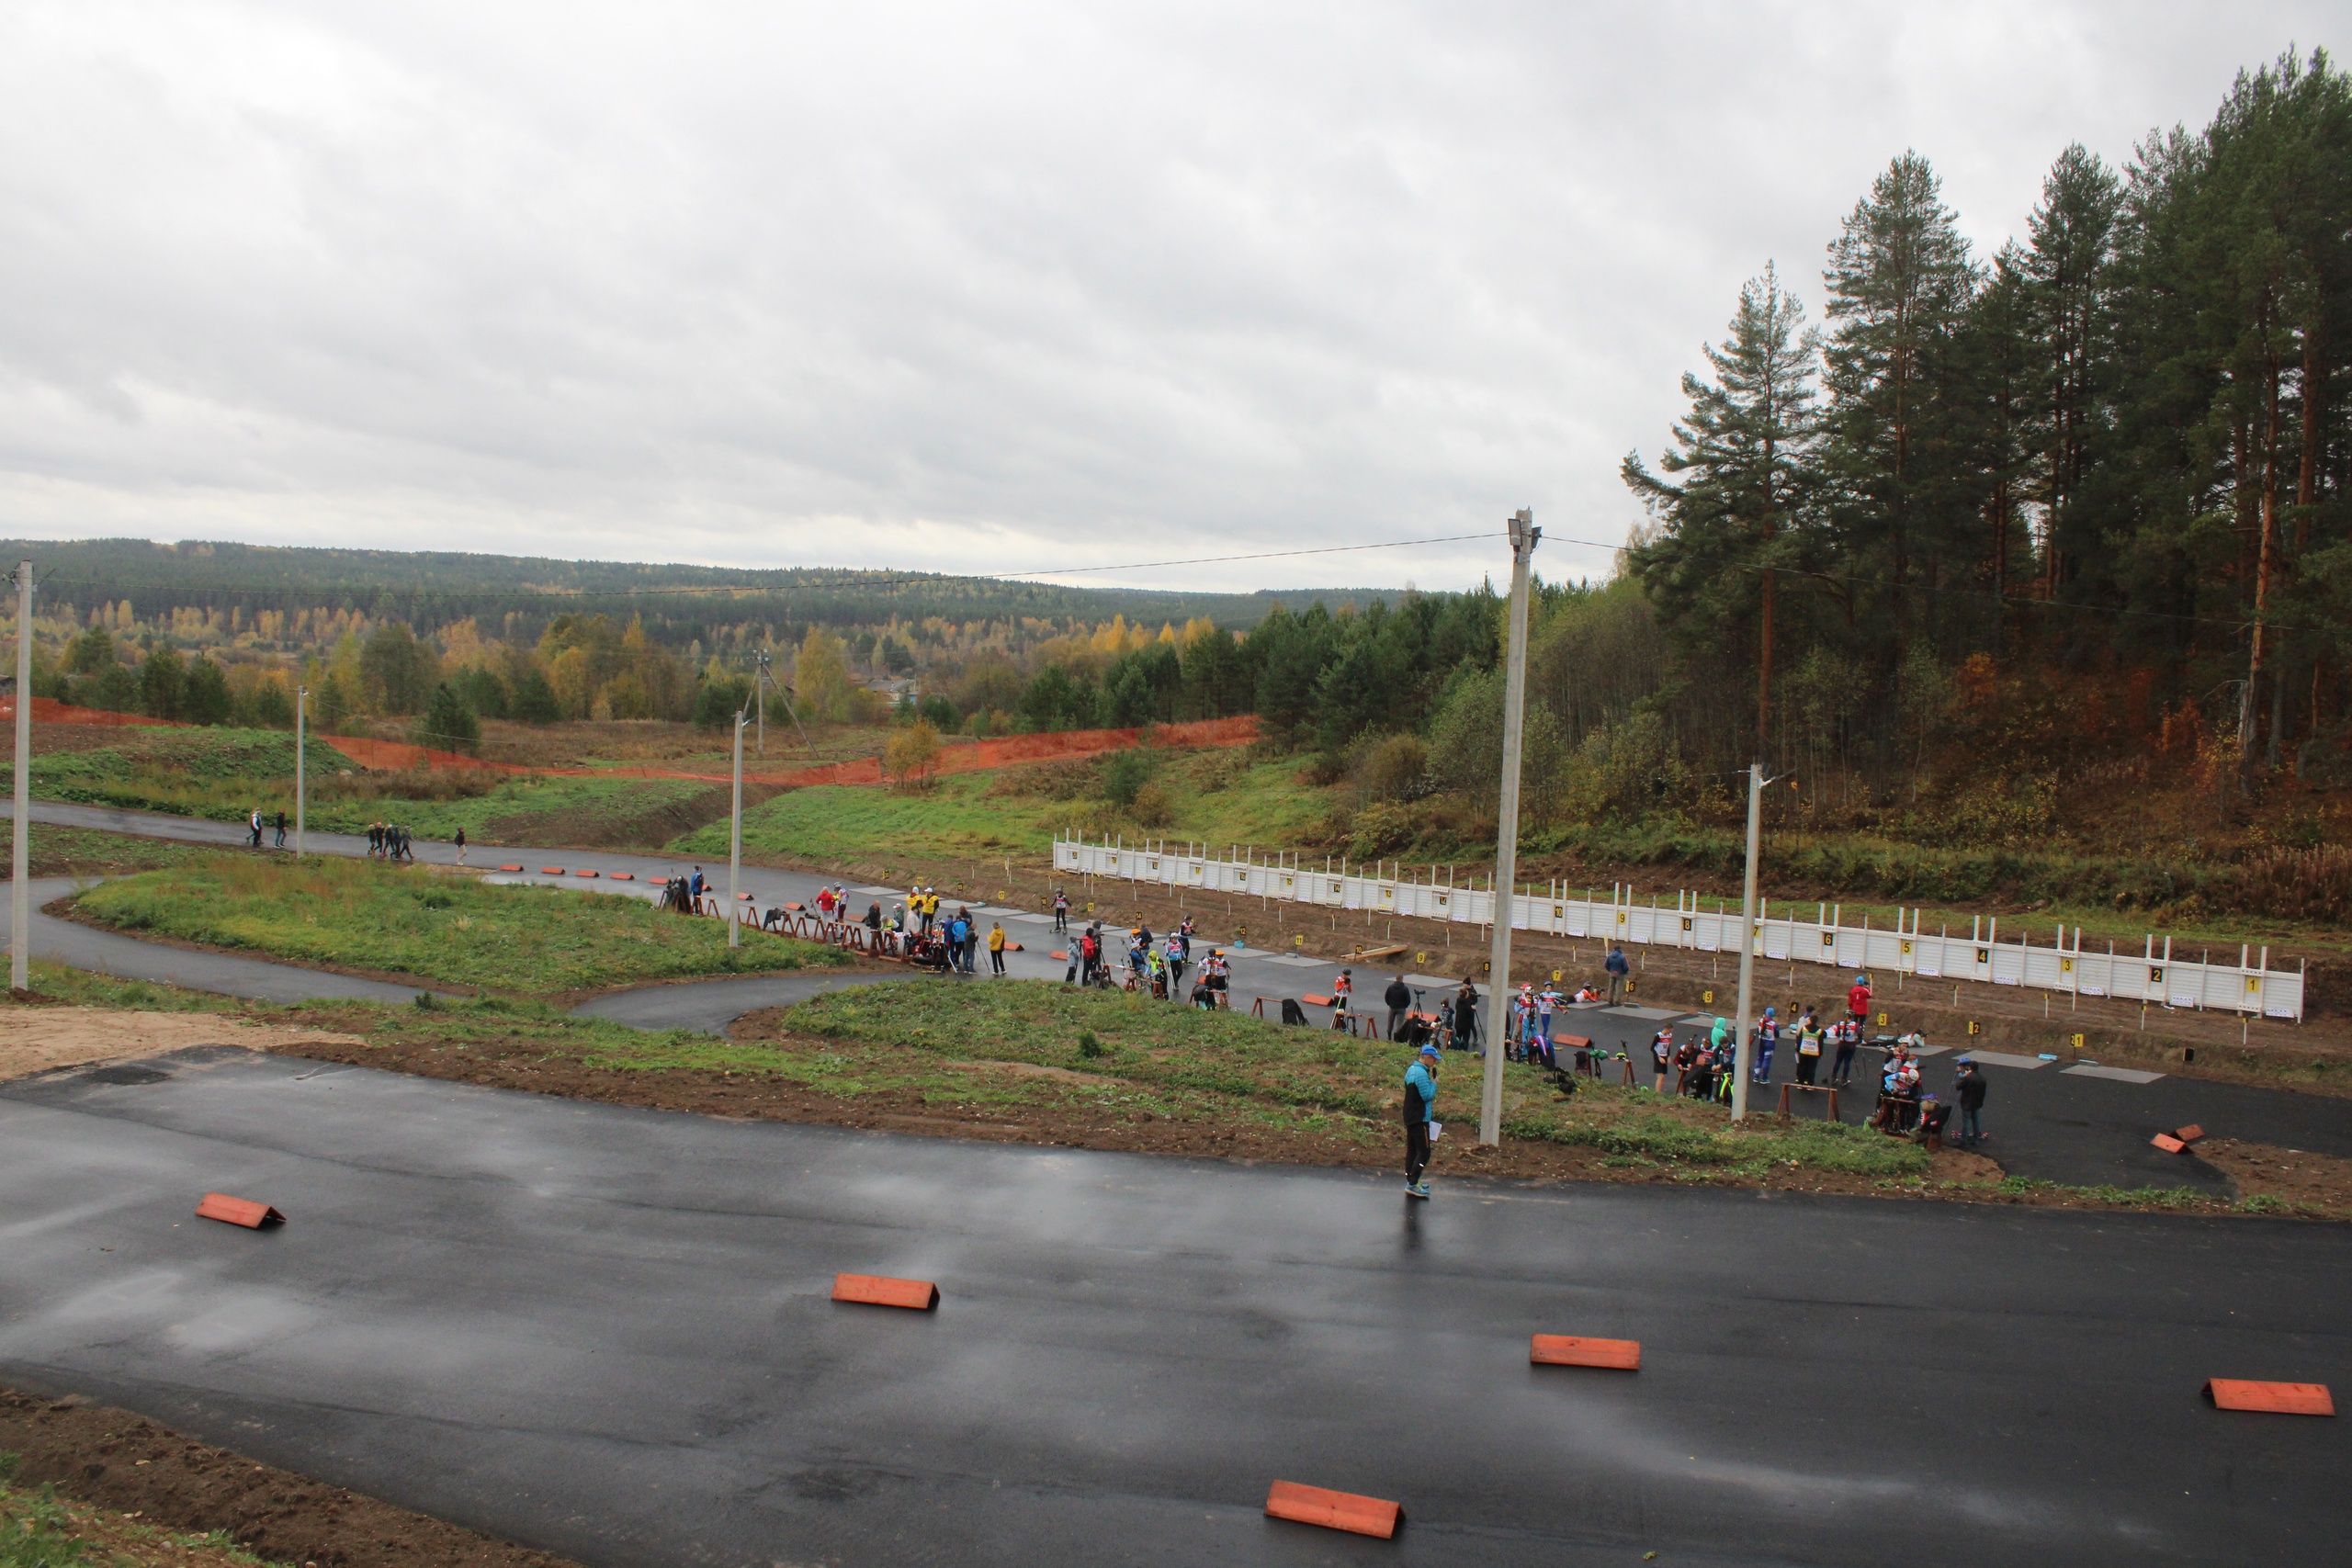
column 1858, row 1001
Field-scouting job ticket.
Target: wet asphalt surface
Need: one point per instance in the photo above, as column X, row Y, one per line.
column 605, row 1332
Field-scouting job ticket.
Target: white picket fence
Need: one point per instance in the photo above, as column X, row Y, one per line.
column 2062, row 965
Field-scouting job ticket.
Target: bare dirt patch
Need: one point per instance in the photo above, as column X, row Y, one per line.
column 133, row 1466
column 2295, row 1179
column 39, row 1038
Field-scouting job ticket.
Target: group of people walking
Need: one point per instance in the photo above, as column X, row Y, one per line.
column 389, row 841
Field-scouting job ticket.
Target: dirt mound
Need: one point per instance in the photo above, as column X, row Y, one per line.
column 128, row 1464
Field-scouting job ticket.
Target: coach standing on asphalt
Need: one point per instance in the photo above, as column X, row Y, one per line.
column 1420, row 1096
column 1399, row 998
column 1618, row 969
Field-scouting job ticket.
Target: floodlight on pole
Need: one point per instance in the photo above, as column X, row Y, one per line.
column 1524, row 536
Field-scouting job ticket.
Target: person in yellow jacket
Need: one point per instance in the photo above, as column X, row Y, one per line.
column 996, row 946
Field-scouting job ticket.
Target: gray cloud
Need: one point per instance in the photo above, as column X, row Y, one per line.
column 974, row 290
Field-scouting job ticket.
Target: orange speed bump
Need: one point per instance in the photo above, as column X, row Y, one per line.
column 2189, row 1133
column 550, row 871
column 510, row 868
column 2168, row 1142
column 584, row 874
column 1334, row 1510
column 1315, row 1001
column 623, row 876
column 1572, row 1350
column 2279, row 1398
column 238, row 1212
column 877, row 1290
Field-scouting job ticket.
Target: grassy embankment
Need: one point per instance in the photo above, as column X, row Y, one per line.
column 367, row 916
column 1222, row 799
column 1218, row 797
column 221, row 774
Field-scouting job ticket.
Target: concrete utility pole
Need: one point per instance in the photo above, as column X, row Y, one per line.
column 1745, row 1050
column 301, row 696
column 20, row 904
column 735, row 839
column 759, row 693
column 1524, row 534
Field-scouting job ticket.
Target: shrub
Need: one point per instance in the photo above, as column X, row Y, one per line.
column 911, row 753
column 1152, row 807
column 1125, row 773
column 1396, row 768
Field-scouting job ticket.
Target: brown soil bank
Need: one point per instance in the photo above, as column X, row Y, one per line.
column 129, row 1465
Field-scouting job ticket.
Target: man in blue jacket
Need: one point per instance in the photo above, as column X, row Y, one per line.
column 1420, row 1096
column 1618, row 969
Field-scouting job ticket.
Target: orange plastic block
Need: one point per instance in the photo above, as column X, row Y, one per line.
column 623, row 876
column 584, row 874
column 743, row 897
column 1315, row 1001
column 2279, row 1398
column 2189, row 1133
column 2168, row 1142
column 238, row 1212
column 1058, row 952
column 550, row 871
column 1334, row 1510
column 796, row 908
column 510, row 868
column 876, row 1290
column 1571, row 1350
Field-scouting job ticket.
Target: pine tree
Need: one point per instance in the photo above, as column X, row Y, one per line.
column 2068, row 268
column 1740, row 520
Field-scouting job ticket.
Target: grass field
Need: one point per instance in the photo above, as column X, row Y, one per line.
column 402, row 920
column 39, row 1529
column 1188, row 1062
column 93, row 851
column 1214, row 796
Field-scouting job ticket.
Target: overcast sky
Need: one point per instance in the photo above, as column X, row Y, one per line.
column 990, row 287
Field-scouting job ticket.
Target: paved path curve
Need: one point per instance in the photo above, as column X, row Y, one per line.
column 2055, row 1126
column 604, row 1332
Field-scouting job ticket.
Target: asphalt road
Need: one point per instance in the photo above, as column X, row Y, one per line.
column 605, row 1332
column 2045, row 1123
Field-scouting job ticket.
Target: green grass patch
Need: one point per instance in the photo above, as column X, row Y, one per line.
column 401, row 919
column 1146, row 1043
column 220, row 775
column 1211, row 796
column 1638, row 1125
column 93, row 851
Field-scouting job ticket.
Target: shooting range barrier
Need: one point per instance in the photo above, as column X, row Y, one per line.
column 2062, row 966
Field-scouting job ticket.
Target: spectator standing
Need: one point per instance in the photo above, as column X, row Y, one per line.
column 1547, row 1002
column 281, row 830
column 1421, row 1097
column 253, row 826
column 1970, row 1087
column 1175, row 955
column 1466, row 1017
column 461, row 846
column 1618, row 969
column 1661, row 1052
column 1061, row 912
column 996, row 947
column 1857, row 1001
column 1399, row 998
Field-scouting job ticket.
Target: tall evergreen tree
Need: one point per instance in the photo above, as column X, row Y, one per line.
column 2067, row 267
column 1741, row 518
